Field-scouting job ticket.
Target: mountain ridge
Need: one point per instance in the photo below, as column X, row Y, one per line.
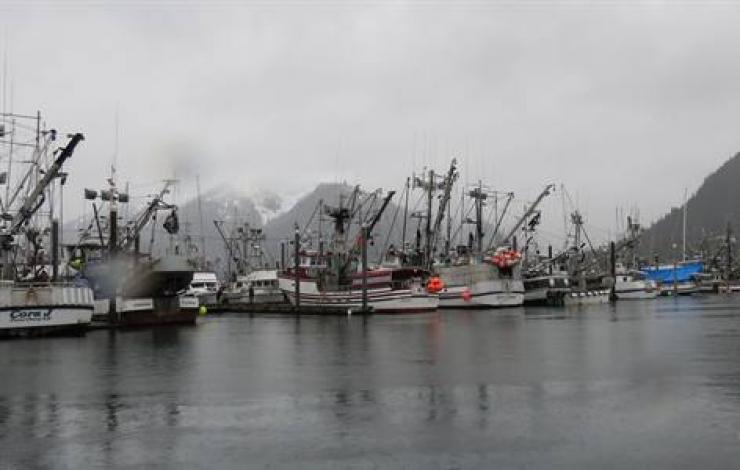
column 709, row 211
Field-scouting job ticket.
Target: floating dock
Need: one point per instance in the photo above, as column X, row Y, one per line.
column 284, row 309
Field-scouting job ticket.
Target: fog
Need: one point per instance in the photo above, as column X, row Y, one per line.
column 626, row 104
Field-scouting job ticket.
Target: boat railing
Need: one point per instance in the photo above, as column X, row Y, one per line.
column 38, row 284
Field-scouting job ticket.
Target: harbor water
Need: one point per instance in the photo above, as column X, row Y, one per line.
column 643, row 384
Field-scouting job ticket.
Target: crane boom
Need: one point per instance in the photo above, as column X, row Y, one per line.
column 143, row 218
column 529, row 212
column 443, row 202
column 379, row 214
column 31, row 204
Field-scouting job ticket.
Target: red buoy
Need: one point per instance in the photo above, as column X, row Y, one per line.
column 435, row 285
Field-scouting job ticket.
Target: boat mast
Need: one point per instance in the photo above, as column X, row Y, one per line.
column 685, row 191
column 462, row 215
column 446, row 185
column 10, row 158
column 321, row 229
column 448, row 242
column 202, row 227
column 500, row 219
column 728, row 243
column 428, row 241
column 577, row 270
column 405, row 215
column 478, row 197
column 228, row 243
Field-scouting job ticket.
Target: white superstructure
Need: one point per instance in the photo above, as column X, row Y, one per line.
column 205, row 287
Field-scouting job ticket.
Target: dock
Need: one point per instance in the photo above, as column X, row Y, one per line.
column 284, row 309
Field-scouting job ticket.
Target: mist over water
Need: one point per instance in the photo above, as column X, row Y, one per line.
column 639, row 384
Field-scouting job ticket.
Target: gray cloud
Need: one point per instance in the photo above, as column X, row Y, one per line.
column 625, row 103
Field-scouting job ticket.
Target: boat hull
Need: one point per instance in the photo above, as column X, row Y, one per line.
column 207, row 298
column 497, row 293
column 626, row 288
column 640, row 294
column 380, row 300
column 42, row 321
column 545, row 296
column 149, row 311
column 479, row 286
column 45, row 310
column 587, row 298
column 259, row 298
column 681, row 288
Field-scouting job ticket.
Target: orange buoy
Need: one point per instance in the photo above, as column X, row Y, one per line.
column 506, row 258
column 435, row 284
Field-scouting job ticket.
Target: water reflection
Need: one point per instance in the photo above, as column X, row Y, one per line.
column 562, row 388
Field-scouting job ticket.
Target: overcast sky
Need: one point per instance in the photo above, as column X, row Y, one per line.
column 626, row 103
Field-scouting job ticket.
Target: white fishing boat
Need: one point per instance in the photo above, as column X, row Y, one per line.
column 480, row 285
column 474, row 277
column 31, row 309
column 33, row 300
column 633, row 285
column 204, row 287
column 257, row 287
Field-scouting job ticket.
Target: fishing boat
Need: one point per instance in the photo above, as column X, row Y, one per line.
column 492, row 282
column 252, row 281
column 258, row 287
column 675, row 279
column 629, row 283
column 544, row 288
column 588, row 283
column 710, row 282
column 546, row 280
column 339, row 278
column 133, row 288
column 34, row 300
column 633, row 285
column 400, row 290
column 473, row 275
column 204, row 287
